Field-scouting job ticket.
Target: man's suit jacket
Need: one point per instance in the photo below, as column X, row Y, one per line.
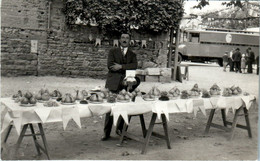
column 236, row 56
column 128, row 62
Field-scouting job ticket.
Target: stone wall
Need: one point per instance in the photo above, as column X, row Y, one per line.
column 61, row 51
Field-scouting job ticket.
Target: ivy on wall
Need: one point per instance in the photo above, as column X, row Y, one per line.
column 114, row 17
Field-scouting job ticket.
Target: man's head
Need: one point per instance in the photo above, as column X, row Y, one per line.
column 124, row 40
column 249, row 49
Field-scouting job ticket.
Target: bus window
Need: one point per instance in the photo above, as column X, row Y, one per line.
column 185, row 36
column 194, row 37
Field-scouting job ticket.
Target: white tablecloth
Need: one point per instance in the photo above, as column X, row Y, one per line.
column 64, row 113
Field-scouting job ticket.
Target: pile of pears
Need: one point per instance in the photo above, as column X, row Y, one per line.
column 25, row 99
column 81, row 95
column 124, row 95
column 232, row 91
column 68, row 98
column 174, row 92
column 96, row 97
column 205, row 94
column 195, row 91
column 56, row 93
column 155, row 92
column 214, row 90
column 43, row 95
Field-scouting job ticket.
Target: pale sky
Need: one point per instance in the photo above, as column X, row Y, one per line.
column 213, row 6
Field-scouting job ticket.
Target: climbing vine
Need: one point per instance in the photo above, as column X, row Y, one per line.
column 114, row 17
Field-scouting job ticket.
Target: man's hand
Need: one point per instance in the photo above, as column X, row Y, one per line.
column 116, row 67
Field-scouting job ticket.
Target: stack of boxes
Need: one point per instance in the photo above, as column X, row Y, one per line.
column 155, row 74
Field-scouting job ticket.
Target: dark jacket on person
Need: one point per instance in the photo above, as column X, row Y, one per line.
column 128, row 62
column 225, row 58
column 236, row 56
column 251, row 56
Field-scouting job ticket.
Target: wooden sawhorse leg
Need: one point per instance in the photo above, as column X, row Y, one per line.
column 150, row 132
column 233, row 124
column 6, row 136
column 125, row 127
column 33, row 134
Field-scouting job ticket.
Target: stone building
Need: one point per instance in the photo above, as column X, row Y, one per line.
column 36, row 41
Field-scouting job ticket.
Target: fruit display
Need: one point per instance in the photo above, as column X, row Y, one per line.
column 68, row 99
column 28, row 99
column 19, row 94
column 205, row 94
column 51, row 104
column 111, row 98
column 227, row 92
column 136, row 92
column 148, row 97
column 104, row 93
column 43, row 95
column 55, row 93
column 78, row 96
column 164, row 96
column 124, row 96
column 214, row 90
column 174, row 92
column 155, row 91
column 193, row 94
column 195, row 91
column 236, row 90
column 96, row 98
column 184, row 94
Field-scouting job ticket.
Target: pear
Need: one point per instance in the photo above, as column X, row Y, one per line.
column 24, row 100
column 123, row 92
column 20, row 93
column 28, row 95
column 146, row 96
column 45, row 97
column 32, row 100
column 127, row 97
column 67, row 99
column 77, row 95
column 235, row 92
column 59, row 93
column 100, row 99
column 84, row 92
column 93, row 97
column 102, row 95
column 156, row 92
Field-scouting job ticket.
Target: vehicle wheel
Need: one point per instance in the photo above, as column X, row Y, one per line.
column 220, row 62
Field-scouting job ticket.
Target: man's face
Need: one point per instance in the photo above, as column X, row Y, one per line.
column 124, row 40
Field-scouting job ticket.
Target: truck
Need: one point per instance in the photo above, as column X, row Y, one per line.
column 211, row 44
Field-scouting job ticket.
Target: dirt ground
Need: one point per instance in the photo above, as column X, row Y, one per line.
column 186, row 131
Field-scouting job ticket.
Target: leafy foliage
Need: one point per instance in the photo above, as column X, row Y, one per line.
column 114, row 17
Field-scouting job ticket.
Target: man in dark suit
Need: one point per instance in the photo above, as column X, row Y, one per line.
column 250, row 60
column 237, row 60
column 119, row 60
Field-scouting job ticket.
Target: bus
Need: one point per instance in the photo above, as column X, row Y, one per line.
column 211, row 44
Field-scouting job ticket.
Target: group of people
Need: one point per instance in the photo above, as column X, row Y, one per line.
column 240, row 62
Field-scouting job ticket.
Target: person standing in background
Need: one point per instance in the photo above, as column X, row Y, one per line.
column 243, row 63
column 225, row 60
column 231, row 62
column 237, row 60
column 250, row 60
